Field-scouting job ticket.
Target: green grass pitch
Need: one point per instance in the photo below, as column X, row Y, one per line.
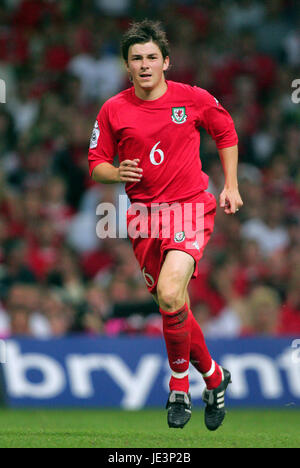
column 146, row 428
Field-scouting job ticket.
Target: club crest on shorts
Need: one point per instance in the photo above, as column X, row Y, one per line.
column 179, row 236
column 178, row 115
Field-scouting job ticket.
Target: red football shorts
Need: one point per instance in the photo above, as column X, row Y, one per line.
column 154, row 230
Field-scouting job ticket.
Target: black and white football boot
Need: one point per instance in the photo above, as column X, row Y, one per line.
column 215, row 402
column 179, row 406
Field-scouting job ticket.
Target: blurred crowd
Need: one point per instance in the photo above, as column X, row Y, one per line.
column 60, row 61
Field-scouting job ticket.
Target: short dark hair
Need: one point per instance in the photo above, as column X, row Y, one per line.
column 142, row 32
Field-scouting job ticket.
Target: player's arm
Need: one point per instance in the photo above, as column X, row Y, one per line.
column 230, row 198
column 219, row 124
column 103, row 148
column 128, row 171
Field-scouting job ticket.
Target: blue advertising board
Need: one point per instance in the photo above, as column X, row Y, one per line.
column 133, row 372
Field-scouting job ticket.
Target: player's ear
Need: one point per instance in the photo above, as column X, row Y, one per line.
column 166, row 63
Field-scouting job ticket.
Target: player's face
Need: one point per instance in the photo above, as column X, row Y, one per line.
column 146, row 66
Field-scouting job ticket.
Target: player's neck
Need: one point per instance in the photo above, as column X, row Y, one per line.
column 151, row 94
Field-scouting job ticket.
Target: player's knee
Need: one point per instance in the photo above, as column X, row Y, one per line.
column 171, row 289
column 170, row 298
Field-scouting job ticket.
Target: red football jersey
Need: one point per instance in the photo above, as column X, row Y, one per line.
column 164, row 135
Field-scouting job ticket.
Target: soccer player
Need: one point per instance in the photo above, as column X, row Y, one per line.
column 153, row 127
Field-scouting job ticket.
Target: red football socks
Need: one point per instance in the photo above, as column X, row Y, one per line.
column 177, row 334
column 201, row 359
column 185, row 342
column 214, row 376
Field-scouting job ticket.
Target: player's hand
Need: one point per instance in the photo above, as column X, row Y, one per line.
column 230, row 200
column 129, row 171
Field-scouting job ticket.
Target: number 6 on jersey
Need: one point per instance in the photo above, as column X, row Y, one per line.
column 152, row 155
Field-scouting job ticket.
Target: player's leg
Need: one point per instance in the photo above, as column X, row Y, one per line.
column 216, row 378
column 172, row 284
column 199, row 354
column 173, row 280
